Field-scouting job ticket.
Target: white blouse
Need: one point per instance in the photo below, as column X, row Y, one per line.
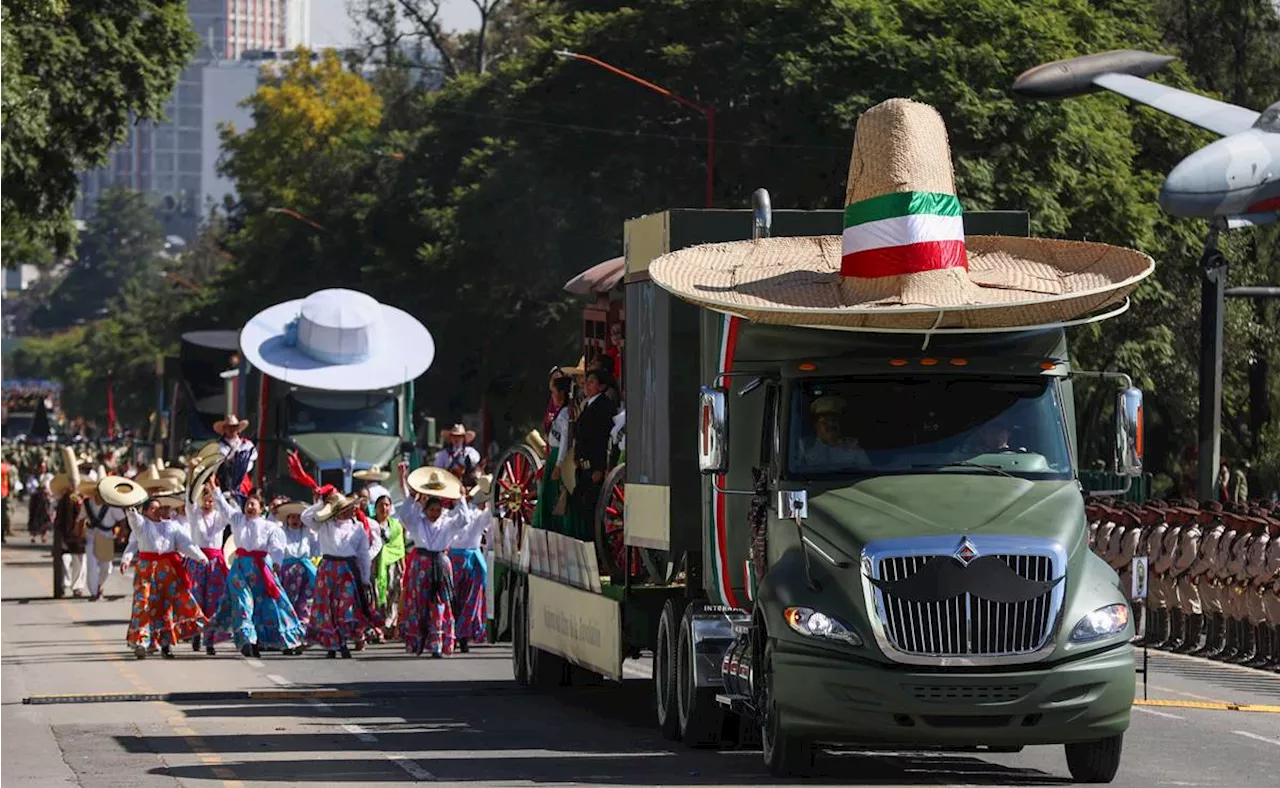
column 206, row 527
column 252, row 534
column 340, row 538
column 301, row 543
column 164, row 536
column 475, row 524
column 434, row 536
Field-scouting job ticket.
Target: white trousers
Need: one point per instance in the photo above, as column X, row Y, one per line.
column 99, row 571
column 73, row 572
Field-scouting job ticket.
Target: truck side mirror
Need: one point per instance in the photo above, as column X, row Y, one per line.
column 713, row 431
column 1129, row 438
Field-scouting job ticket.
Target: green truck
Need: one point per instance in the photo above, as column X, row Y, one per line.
column 936, row 592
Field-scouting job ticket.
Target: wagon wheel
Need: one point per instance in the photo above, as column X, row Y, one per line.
column 646, row 564
column 519, row 471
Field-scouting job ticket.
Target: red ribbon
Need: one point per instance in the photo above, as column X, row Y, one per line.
column 260, row 560
column 364, row 521
column 213, row 553
column 175, row 562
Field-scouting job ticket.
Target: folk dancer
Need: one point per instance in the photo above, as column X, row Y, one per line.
column 254, row 610
column 341, row 611
column 428, row 582
column 68, row 525
column 100, row 541
column 40, row 513
column 548, row 513
column 206, row 524
column 470, row 567
column 241, row 457
column 388, row 565
column 164, row 611
column 301, row 551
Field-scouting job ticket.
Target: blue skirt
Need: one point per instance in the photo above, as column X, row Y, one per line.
column 250, row 615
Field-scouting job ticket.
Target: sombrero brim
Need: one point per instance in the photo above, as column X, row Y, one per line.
column 403, row 351
column 121, row 492
column 208, row 450
column 286, row 509
column 172, row 501
column 200, row 478
column 450, row 489
column 1011, row 282
column 331, row 510
column 218, row 425
column 371, row 476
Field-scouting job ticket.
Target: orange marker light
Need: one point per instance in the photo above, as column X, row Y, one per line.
column 959, row 362
column 1048, row 365
column 898, row 362
column 928, row 362
column 807, row 366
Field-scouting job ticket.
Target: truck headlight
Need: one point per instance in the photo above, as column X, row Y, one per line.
column 1101, row 623
column 813, row 624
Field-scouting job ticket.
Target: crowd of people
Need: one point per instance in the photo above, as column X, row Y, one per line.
column 1212, row 574
column 214, row 561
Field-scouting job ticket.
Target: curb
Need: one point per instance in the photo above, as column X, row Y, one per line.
column 1210, row 705
column 260, row 695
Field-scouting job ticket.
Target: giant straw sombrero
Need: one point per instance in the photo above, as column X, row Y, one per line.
column 903, row 262
column 435, row 482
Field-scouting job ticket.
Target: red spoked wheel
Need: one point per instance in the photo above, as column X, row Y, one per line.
column 610, row 549
column 518, row 475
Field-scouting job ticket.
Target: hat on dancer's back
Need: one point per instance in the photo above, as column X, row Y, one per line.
column 60, row 485
column 903, row 262
column 339, row 340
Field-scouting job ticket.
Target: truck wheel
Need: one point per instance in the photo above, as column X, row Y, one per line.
column 664, row 671
column 1095, row 761
column 701, row 719
column 785, row 755
column 519, row 635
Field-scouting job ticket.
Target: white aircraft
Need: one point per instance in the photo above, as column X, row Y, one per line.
column 1235, row 180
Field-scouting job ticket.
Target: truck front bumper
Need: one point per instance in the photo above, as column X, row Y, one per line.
column 824, row 697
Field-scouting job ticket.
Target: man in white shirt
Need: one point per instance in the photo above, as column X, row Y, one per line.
column 454, row 456
column 100, row 542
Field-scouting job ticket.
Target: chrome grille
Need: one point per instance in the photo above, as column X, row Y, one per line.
column 965, row 629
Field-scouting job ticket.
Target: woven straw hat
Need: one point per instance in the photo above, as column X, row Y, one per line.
column 903, row 262
column 435, row 482
column 372, row 474
column 122, row 492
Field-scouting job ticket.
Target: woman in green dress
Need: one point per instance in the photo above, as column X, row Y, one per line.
column 558, row 442
column 389, row 566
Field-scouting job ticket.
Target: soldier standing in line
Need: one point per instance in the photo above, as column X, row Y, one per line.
column 1157, row 596
column 1255, row 575
column 1187, row 588
column 1222, row 587
column 1234, row 599
column 1207, row 574
column 1271, row 588
column 1168, row 552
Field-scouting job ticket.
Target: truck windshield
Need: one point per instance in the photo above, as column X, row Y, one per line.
column 341, row 412
column 928, row 424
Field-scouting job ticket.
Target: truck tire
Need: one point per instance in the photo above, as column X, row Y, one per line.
column 519, row 633
column 1095, row 761
column 664, row 670
column 785, row 755
column 701, row 720
column 546, row 670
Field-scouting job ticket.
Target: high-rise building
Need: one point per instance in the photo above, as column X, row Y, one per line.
column 175, row 159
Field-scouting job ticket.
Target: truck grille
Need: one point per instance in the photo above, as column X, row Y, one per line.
column 966, row 626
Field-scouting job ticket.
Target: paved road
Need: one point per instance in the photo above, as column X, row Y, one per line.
column 462, row 721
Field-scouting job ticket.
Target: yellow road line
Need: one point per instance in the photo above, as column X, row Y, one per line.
column 1209, row 705
column 177, row 724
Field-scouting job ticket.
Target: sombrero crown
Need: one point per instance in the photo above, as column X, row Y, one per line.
column 903, row 261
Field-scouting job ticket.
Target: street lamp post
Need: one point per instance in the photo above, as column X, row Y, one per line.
column 706, row 112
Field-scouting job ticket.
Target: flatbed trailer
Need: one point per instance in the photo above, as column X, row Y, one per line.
column 774, row 620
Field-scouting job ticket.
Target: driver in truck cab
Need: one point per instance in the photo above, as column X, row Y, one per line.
column 829, row 446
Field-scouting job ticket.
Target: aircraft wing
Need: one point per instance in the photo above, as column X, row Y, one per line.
column 1216, row 116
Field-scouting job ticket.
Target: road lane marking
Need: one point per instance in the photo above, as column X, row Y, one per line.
column 1259, row 738
column 360, row 733
column 1216, row 705
column 404, row 762
column 254, row 663
column 411, row 766
column 280, row 680
column 1158, row 713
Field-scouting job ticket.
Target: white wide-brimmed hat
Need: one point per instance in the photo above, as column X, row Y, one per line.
column 232, row 420
column 292, row 507
column 334, row 505
column 435, row 482
column 340, row 340
column 903, row 262
column 122, row 492
column 373, row 473
column 483, row 488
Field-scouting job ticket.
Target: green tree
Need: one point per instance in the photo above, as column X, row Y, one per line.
column 75, row 74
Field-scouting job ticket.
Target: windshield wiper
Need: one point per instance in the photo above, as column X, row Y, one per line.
column 980, row 466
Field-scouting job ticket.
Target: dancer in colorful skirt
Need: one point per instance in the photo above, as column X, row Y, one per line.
column 254, row 610
column 341, row 611
column 208, row 579
column 470, row 568
column 427, row 614
column 164, row 611
column 388, row 566
column 301, row 549
column 545, row 514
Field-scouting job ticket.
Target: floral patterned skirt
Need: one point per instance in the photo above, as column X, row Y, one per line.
column 249, row 614
column 164, row 612
column 337, row 616
column 426, row 610
column 470, row 574
column 298, row 577
column 208, row 586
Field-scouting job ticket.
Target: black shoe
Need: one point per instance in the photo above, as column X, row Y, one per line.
column 166, row 652
column 209, row 650
column 462, row 646
column 195, row 643
column 256, row 651
column 331, row 655
column 346, row 652
column 246, row 650
column 140, row 652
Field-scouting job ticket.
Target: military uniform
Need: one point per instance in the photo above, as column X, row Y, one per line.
column 1187, row 590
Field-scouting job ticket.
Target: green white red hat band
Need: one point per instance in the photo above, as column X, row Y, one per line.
column 903, row 233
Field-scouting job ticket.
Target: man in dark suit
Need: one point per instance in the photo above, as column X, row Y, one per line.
column 591, row 448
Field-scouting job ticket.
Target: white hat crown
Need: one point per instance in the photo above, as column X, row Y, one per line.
column 336, row 326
